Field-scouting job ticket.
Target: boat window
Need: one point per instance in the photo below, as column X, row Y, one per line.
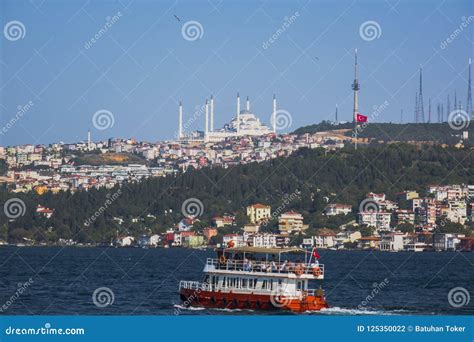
column 264, row 284
column 244, row 283
column 206, row 279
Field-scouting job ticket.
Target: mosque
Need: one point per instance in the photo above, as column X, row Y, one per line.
column 245, row 123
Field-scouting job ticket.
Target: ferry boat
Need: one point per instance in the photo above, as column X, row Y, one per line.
column 258, row 279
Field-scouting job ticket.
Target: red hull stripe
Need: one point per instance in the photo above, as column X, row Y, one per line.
column 250, row 301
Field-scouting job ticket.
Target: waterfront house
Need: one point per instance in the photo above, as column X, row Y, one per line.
column 125, row 241
column 392, row 242
column 446, row 242
column 368, row 242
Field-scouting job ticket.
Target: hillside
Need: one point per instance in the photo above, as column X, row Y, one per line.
column 109, row 159
column 390, row 132
column 300, row 182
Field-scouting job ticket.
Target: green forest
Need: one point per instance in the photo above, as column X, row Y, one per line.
column 153, row 205
column 436, row 132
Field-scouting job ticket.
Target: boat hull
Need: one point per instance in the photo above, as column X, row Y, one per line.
column 250, row 301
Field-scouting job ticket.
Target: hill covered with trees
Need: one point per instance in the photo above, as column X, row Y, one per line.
column 436, row 132
column 305, row 181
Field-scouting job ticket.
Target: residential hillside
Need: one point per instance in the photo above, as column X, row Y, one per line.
column 317, row 177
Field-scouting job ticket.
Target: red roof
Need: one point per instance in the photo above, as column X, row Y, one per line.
column 259, row 206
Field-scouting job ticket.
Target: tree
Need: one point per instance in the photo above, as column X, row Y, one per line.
column 406, row 228
column 367, row 231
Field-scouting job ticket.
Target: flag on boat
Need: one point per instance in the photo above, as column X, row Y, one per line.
column 316, row 254
column 361, row 118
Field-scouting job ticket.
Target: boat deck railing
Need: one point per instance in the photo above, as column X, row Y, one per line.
column 199, row 286
column 266, row 267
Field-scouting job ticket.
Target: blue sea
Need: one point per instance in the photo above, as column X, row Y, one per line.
column 62, row 281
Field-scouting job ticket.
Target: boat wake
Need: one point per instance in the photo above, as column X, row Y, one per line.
column 189, row 308
column 345, row 311
column 178, row 308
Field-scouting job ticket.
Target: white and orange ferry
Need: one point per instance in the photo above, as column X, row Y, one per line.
column 259, row 279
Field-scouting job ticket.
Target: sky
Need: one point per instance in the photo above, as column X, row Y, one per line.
column 57, row 82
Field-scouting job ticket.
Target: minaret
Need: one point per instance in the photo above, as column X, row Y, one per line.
column 89, row 139
column 206, row 124
column 448, row 105
column 429, row 110
column 336, row 115
column 248, row 104
column 238, row 113
column 274, row 113
column 355, row 88
column 180, row 121
column 212, row 113
column 469, row 95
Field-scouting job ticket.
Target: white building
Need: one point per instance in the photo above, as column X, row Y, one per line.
column 379, row 220
column 125, row 241
column 324, row 240
column 446, row 242
column 245, row 123
column 337, row 209
column 392, row 242
column 291, row 222
column 262, row 240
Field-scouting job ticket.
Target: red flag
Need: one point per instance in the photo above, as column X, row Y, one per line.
column 361, row 118
column 316, row 254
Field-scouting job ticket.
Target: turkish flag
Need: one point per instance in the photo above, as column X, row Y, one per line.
column 316, row 254
column 361, row 118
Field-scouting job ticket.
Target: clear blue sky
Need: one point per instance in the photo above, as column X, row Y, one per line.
column 142, row 66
